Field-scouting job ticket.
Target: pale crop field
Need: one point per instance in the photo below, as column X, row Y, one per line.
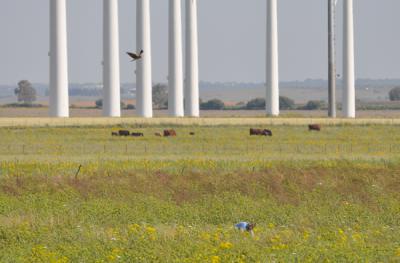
column 221, row 142
column 329, row 196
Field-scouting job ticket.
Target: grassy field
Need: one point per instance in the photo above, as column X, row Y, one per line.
column 331, row 196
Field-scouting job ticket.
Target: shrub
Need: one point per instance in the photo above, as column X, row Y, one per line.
column 256, row 104
column 214, row 104
column 130, row 107
column 314, row 105
column 286, row 103
column 394, row 94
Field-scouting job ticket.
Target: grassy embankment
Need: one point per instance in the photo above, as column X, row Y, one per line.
column 323, row 196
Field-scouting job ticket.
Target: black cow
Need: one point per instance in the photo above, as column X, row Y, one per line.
column 124, row 133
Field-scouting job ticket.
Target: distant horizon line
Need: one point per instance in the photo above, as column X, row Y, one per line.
column 220, row 81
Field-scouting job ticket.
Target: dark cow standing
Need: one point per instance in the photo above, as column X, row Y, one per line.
column 124, row 133
column 260, row 132
column 314, row 127
column 137, row 134
column 267, row 132
column 169, row 133
column 192, row 134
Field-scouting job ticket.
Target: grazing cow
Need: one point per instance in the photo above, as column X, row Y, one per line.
column 260, row 132
column 124, row 133
column 314, row 127
column 267, row 132
column 137, row 134
column 255, row 131
column 114, row 133
column 192, row 133
column 158, row 134
column 169, row 133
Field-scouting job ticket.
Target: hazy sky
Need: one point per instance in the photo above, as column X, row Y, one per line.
column 231, row 32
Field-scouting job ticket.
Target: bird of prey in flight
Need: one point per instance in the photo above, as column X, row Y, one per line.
column 135, row 56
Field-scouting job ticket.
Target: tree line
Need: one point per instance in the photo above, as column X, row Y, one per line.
column 27, row 95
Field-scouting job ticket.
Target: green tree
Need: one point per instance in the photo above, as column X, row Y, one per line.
column 99, row 103
column 25, row 92
column 286, row 103
column 160, row 96
column 394, row 94
column 214, row 104
column 256, row 104
column 314, row 105
column 259, row 104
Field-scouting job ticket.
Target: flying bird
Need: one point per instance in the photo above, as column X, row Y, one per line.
column 135, row 56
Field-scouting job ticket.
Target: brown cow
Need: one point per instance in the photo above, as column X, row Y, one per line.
column 158, row 134
column 314, row 127
column 137, row 134
column 169, row 133
column 124, row 133
column 192, row 133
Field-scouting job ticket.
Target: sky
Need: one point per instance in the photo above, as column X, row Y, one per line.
column 231, row 39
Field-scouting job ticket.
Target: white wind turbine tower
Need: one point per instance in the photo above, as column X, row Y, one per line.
column 144, row 100
column 58, row 101
column 332, row 58
column 272, row 69
column 192, row 107
column 349, row 101
column 111, row 74
column 175, row 76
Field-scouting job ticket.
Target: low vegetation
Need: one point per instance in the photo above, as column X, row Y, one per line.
column 152, row 211
column 315, row 196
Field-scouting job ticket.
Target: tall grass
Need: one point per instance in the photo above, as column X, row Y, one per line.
column 306, row 212
column 328, row 196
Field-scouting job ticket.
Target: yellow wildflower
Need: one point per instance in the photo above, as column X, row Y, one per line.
column 306, row 235
column 150, row 230
column 226, row 245
column 215, row 259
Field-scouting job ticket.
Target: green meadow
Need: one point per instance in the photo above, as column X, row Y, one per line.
column 329, row 196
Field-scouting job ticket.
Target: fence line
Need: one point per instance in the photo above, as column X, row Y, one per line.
column 210, row 149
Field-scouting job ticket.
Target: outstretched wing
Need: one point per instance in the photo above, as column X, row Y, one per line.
column 132, row 55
